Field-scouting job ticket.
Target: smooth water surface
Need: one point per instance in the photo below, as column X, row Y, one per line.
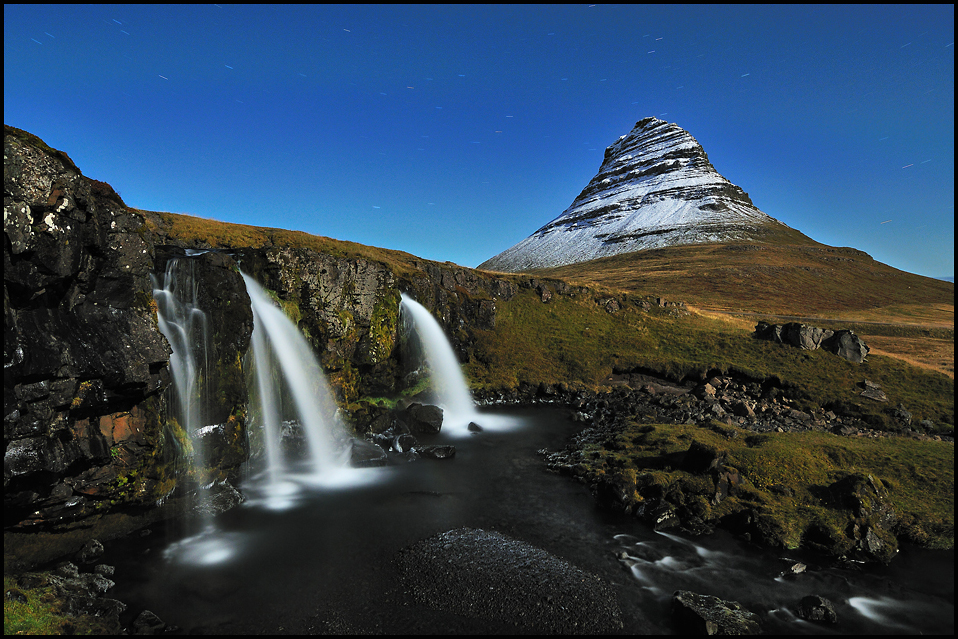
column 325, row 564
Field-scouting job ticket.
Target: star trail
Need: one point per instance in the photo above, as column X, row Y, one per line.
column 453, row 132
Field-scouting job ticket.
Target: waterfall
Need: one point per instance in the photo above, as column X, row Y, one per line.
column 449, row 382
column 186, row 328
column 278, row 345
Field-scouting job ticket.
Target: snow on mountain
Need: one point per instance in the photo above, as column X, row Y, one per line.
column 655, row 188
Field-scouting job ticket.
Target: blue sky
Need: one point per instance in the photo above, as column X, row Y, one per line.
column 453, row 132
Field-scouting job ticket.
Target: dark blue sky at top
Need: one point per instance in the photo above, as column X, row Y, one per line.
column 453, row 132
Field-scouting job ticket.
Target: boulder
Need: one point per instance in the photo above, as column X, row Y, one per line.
column 804, row 336
column 843, row 343
column 708, row 615
column 873, row 391
column 846, row 344
column 815, row 608
column 404, row 442
column 701, row 458
column 873, row 515
column 147, row 623
column 366, row 454
column 426, row 419
column 437, row 451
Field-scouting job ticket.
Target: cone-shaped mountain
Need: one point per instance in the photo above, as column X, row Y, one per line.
column 655, row 188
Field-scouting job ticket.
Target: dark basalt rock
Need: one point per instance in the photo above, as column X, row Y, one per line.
column 875, row 516
column 701, row 458
column 815, row 608
column 84, row 361
column 437, row 451
column 423, row 418
column 366, row 454
column 85, row 365
column 80, row 593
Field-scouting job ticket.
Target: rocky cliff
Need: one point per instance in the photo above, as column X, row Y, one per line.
column 88, row 437
column 84, row 363
column 89, row 428
column 655, row 188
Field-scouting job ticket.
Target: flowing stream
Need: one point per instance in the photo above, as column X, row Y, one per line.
column 313, row 549
column 326, row 563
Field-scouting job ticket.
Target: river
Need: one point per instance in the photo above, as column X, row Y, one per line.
column 324, row 562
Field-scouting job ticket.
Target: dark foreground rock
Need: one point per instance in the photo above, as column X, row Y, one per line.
column 815, row 608
column 707, row 615
column 484, row 574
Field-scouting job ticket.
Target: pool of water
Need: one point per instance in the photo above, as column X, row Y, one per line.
column 321, row 558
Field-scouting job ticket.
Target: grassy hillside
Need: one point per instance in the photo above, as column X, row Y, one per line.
column 572, row 338
column 793, row 278
column 806, row 279
column 207, row 233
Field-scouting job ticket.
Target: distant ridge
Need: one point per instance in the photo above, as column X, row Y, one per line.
column 655, row 188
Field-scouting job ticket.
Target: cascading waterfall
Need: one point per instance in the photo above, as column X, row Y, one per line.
column 186, row 328
column 278, row 344
column 450, row 384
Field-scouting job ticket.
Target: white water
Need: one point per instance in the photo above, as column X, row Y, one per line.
column 278, row 344
column 186, row 328
column 449, row 383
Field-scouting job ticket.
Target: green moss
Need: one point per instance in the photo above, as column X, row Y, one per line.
column 38, row 611
column 786, row 477
column 383, row 326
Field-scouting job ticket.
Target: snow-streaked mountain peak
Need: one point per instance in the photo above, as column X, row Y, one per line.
column 655, row 188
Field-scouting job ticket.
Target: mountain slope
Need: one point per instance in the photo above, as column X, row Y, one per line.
column 781, row 278
column 655, row 188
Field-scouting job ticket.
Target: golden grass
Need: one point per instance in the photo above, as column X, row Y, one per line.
column 924, row 352
column 800, row 278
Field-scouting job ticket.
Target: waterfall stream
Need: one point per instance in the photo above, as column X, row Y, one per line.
column 298, row 396
column 450, row 384
column 186, row 328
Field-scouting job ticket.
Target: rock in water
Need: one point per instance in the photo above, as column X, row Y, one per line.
column 815, row 608
column 707, row 615
column 486, row 575
column 655, row 188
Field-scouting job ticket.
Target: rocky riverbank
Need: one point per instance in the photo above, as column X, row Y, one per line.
column 738, row 455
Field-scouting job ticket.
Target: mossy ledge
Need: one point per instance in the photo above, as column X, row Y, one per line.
column 847, row 497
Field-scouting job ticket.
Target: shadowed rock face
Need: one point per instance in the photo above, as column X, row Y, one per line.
column 655, row 188
column 82, row 353
column 85, row 365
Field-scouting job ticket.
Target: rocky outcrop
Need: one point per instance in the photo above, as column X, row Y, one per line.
column 697, row 614
column 84, row 362
column 874, row 515
column 686, row 499
column 348, row 308
column 88, row 430
column 843, row 342
column 85, row 598
column 816, row 608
